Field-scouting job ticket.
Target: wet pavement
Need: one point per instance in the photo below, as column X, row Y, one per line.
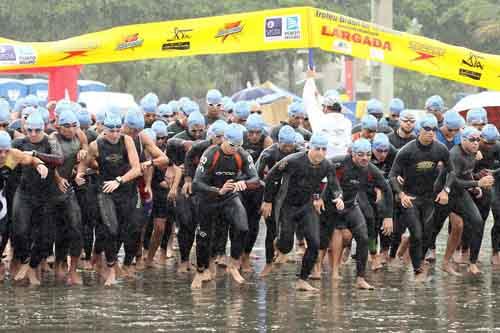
column 161, row 301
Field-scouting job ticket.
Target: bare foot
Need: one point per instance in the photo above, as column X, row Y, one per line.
column 473, row 269
column 421, row 277
column 448, row 268
column 183, row 267
column 170, row 252
column 139, row 264
column 376, row 264
column 151, row 264
column 362, row 284
column 31, row 274
column 207, row 275
column 221, row 261
column 129, row 272
column 235, row 274
column 87, row 265
column 45, row 267
column 384, row 257
column 74, row 279
column 212, row 268
column 495, row 259
column 301, row 249
column 60, row 271
column 316, row 272
column 336, row 275
column 245, row 263
column 302, row 285
column 346, row 255
column 110, row 276
column 431, row 256
column 280, row 258
column 268, row 268
column 197, row 281
column 21, row 273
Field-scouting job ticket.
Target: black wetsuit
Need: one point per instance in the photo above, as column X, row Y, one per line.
column 32, row 235
column 293, row 201
column 397, row 141
column 463, row 192
column 353, row 180
column 214, row 169
column 491, row 197
column 276, row 130
column 175, row 128
column 253, row 199
column 186, row 208
column 118, row 209
column 423, row 179
column 268, row 158
column 64, row 208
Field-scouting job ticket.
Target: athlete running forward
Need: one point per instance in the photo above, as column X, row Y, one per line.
column 298, row 200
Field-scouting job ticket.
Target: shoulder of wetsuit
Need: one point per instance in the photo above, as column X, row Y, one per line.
column 211, row 156
column 181, row 135
column 340, row 160
column 19, row 142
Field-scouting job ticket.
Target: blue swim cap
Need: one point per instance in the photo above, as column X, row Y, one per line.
column 296, row 109
column 134, row 118
column 374, row 106
column 381, row 141
column 332, row 93
column 4, row 111
column 35, row 121
column 453, row 120
column 396, row 106
column 31, row 100
column 287, row 135
column 84, row 118
column 45, row 114
column 242, row 109
column 100, row 116
column 383, row 122
column 164, row 110
column 435, row 103
column 255, row 122
column 67, row 117
column 112, row 121
column 469, row 132
column 361, row 146
column 151, row 133
column 217, row 128
column 490, row 133
column 19, row 105
column 428, row 120
column 299, row 139
column 15, row 124
column 369, row 122
column 406, row 114
column 63, row 105
column 318, row 140
column 477, row 116
column 149, row 102
column 160, row 128
column 189, row 107
column 234, row 134
column 196, row 119
column 27, row 111
column 214, row 96
column 5, row 140
column 228, row 106
column 174, row 106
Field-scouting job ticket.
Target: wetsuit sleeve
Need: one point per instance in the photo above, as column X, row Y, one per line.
column 383, row 184
column 249, row 171
column 397, row 169
column 55, row 158
column 174, row 148
column 458, row 165
column 333, row 182
column 274, row 176
column 189, row 164
column 201, row 181
column 262, row 163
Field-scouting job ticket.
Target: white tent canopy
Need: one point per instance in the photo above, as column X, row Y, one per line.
column 483, row 99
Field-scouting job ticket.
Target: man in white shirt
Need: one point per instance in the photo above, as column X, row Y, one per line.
column 325, row 115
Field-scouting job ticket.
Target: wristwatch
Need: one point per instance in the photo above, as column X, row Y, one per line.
column 446, row 189
column 119, row 180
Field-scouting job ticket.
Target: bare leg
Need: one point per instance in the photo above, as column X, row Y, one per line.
column 336, row 247
column 495, row 259
column 158, row 231
column 457, row 225
column 362, row 284
column 110, row 275
column 74, row 277
column 245, row 263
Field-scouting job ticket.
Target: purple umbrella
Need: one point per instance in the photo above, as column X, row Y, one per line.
column 251, row 94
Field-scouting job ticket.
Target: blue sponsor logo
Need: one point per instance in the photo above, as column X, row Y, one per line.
column 292, row 23
column 274, row 27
